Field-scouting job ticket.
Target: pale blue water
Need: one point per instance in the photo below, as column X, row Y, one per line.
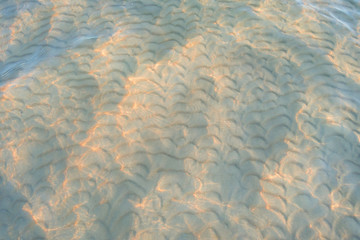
column 179, row 119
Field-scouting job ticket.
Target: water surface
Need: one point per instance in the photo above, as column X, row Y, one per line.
column 179, row 119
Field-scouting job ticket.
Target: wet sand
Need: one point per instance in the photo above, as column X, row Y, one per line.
column 179, row 120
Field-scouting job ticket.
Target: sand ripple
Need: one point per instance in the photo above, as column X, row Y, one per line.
column 179, row 119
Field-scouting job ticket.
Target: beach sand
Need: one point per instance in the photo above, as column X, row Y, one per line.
column 179, row 119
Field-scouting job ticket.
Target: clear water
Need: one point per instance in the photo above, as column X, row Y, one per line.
column 179, row 119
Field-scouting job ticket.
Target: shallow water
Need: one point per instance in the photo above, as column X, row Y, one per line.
column 179, row 119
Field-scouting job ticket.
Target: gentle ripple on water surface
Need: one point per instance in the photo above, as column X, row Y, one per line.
column 179, row 119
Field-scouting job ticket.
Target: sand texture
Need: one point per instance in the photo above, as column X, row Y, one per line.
column 179, row 120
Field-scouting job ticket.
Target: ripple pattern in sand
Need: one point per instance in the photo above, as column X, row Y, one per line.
column 179, row 119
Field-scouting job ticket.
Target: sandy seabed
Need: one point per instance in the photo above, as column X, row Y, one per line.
column 179, row 119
